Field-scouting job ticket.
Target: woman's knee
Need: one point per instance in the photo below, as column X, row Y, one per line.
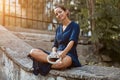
column 67, row 61
column 58, row 66
column 34, row 52
column 64, row 64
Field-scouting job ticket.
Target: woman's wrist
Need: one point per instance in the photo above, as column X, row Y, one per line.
column 62, row 54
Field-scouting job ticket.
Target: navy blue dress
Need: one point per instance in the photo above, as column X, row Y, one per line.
column 62, row 38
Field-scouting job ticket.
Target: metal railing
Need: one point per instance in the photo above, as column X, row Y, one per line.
column 27, row 13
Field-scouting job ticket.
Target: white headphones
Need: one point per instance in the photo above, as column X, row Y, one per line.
column 53, row 55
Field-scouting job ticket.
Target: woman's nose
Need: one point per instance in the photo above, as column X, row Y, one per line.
column 58, row 15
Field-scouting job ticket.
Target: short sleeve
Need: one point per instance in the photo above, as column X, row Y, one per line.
column 75, row 33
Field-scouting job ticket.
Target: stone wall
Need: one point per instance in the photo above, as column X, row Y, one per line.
column 17, row 66
column 15, row 72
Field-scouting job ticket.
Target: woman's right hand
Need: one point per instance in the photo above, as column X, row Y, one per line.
column 54, row 49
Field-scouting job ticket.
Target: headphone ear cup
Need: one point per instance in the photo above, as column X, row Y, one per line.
column 53, row 62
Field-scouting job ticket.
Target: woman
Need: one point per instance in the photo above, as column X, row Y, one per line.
column 66, row 40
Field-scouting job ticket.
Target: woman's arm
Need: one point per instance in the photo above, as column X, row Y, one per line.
column 67, row 49
column 72, row 40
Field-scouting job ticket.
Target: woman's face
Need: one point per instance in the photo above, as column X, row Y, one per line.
column 60, row 14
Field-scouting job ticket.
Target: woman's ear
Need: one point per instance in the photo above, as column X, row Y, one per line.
column 68, row 12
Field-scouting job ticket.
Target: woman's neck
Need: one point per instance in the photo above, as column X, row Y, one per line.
column 66, row 22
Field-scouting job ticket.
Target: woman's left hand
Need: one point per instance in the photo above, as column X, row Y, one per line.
column 62, row 54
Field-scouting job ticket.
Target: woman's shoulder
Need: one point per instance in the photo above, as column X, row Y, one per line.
column 75, row 25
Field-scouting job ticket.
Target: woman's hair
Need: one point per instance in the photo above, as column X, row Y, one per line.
column 63, row 8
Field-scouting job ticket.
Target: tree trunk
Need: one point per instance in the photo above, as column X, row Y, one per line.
column 91, row 8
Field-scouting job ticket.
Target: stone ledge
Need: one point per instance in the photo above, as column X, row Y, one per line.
column 16, row 50
column 81, row 73
column 23, row 62
column 89, row 72
column 85, row 72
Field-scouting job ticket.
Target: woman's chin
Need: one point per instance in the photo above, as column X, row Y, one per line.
column 61, row 20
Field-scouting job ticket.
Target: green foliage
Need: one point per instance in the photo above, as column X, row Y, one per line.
column 79, row 13
column 107, row 28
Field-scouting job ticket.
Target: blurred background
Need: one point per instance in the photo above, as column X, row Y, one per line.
column 38, row 14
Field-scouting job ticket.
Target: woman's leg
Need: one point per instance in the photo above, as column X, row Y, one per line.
column 39, row 55
column 66, row 62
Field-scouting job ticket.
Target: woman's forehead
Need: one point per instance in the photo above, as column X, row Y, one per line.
column 57, row 9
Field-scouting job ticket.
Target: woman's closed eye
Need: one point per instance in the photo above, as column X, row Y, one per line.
column 58, row 13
